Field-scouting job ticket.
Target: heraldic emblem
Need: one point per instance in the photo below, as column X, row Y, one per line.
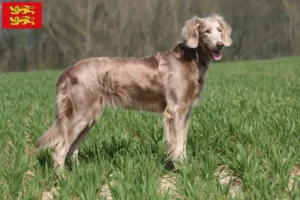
column 22, row 15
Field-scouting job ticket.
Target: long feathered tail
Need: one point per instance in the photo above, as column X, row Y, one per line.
column 50, row 138
column 64, row 107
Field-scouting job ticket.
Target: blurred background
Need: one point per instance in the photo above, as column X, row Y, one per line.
column 77, row 29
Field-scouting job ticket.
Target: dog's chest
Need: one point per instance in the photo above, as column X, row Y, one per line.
column 199, row 82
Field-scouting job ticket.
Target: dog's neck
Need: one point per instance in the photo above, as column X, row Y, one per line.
column 197, row 54
column 203, row 58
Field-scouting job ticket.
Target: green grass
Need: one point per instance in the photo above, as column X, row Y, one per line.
column 248, row 120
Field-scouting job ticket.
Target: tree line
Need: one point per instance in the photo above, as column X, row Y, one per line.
column 77, row 29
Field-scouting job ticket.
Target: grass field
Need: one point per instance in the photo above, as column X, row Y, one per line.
column 243, row 141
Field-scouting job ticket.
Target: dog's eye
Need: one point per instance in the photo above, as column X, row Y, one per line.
column 220, row 30
column 207, row 31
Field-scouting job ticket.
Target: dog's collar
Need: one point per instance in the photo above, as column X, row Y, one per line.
column 189, row 53
column 193, row 53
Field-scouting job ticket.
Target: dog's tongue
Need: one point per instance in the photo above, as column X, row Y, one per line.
column 217, row 55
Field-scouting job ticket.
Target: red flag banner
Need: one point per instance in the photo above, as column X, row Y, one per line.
column 22, row 15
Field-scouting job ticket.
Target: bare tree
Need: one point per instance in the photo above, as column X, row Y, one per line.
column 293, row 31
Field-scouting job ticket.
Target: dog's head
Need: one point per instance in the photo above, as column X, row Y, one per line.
column 211, row 33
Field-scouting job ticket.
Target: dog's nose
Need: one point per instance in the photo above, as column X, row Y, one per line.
column 220, row 45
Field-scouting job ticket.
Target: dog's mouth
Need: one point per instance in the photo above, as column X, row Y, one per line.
column 215, row 54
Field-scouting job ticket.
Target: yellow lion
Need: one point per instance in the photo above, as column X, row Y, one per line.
column 15, row 10
column 21, row 20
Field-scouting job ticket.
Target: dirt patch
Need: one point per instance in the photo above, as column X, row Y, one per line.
column 29, row 174
column 225, row 175
column 49, row 195
column 295, row 172
column 105, row 192
column 46, row 195
column 168, row 183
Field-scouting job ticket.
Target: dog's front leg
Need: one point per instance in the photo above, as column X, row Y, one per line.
column 182, row 142
column 176, row 120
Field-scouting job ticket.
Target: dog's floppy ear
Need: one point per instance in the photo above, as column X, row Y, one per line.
column 190, row 32
column 226, row 33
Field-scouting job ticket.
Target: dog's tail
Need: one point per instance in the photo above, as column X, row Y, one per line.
column 64, row 110
column 50, row 138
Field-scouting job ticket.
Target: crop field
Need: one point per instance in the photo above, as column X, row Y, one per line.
column 243, row 141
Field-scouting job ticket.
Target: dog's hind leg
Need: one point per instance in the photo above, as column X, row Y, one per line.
column 74, row 148
column 78, row 107
column 64, row 145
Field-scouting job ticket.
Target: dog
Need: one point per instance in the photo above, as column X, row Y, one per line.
column 167, row 82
